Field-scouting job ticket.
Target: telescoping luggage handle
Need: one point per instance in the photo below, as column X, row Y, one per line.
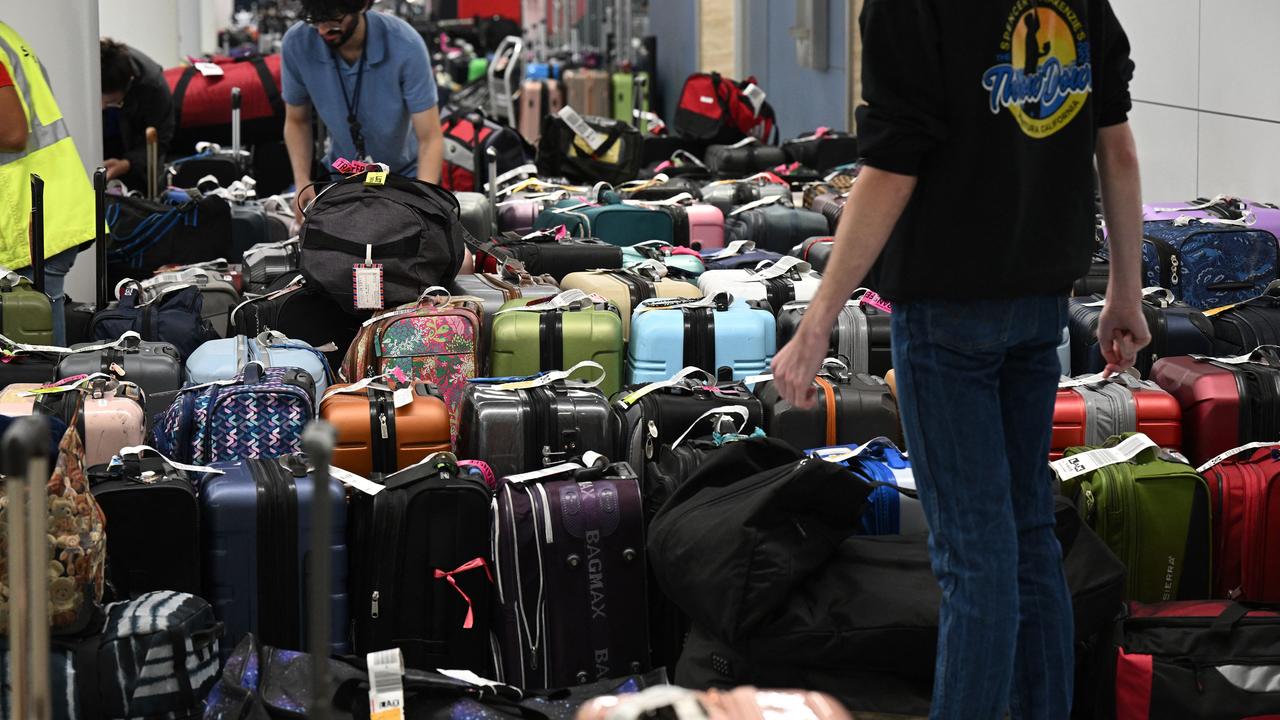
column 37, row 232
column 24, row 450
column 738, row 410
column 318, row 442
column 102, row 286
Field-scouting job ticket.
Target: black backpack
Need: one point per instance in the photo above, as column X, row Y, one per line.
column 412, row 228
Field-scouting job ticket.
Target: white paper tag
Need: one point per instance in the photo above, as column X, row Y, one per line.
column 139, row 449
column 756, row 95
column 402, row 397
column 1237, row 360
column 1087, row 462
column 737, row 247
column 209, row 69
column 386, row 685
column 1234, row 451
column 543, row 473
column 1082, row 381
column 367, row 283
column 581, row 128
column 745, row 142
column 352, row 480
column 469, row 677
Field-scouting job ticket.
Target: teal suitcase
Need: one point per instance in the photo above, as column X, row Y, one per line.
column 613, row 222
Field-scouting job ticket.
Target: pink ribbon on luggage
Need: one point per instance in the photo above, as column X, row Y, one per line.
column 465, row 567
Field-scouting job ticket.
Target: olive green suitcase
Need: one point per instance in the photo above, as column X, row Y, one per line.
column 626, row 289
column 1152, row 510
column 25, row 313
column 536, row 335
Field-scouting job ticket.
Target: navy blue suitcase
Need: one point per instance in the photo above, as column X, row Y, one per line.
column 738, row 255
column 1176, row 329
column 256, row 530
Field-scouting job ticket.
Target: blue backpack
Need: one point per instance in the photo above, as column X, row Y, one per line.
column 174, row 316
column 1207, row 263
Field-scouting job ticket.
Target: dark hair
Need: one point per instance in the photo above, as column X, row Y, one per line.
column 117, row 66
column 333, row 8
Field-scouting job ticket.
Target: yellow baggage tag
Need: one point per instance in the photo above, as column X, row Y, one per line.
column 376, row 177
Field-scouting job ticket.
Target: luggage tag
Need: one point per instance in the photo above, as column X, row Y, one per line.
column 756, row 95
column 844, row 454
column 366, row 282
column 872, row 298
column 1248, row 357
column 209, row 69
column 1234, row 451
column 580, row 128
column 590, row 458
column 138, row 450
column 557, row 375
column 738, row 410
column 386, row 685
column 767, row 200
column 1086, row 462
column 676, row 379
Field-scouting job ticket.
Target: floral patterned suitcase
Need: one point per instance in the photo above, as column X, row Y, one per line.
column 436, row 340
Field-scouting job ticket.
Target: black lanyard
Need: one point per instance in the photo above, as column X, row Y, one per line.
column 353, row 104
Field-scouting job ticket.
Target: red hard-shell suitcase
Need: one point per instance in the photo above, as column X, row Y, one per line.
column 1224, row 405
column 1089, row 414
column 1245, row 490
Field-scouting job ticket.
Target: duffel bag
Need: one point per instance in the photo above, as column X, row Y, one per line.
column 202, row 103
column 717, row 110
column 589, row 149
column 404, row 234
column 182, row 229
column 467, row 138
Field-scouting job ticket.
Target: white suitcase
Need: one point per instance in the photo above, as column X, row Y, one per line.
column 789, row 279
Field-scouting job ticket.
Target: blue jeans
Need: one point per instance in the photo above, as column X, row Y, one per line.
column 976, row 387
column 55, row 276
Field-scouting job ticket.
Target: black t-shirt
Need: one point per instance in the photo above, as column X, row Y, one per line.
column 995, row 106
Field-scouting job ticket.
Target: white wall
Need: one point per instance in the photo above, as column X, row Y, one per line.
column 69, row 50
column 1206, row 100
column 151, row 26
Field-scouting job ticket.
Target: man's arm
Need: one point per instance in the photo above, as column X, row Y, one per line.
column 13, row 121
column 875, row 204
column 1122, row 329
column 426, row 125
column 297, row 139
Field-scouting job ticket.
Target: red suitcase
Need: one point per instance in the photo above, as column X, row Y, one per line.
column 1225, row 403
column 1245, row 489
column 1089, row 414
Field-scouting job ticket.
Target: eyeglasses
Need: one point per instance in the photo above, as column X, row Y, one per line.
column 317, row 20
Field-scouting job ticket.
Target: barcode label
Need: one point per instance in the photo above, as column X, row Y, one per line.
column 581, row 128
column 386, row 686
column 1087, row 462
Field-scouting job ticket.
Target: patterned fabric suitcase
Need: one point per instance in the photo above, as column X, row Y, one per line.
column 1208, row 265
column 531, row 336
column 627, row 289
column 785, row 280
column 892, row 507
column 421, row 579
column 225, row 358
column 379, row 432
column 256, row 518
column 723, row 336
column 861, row 337
column 435, row 341
column 1226, row 402
column 516, row 426
column 849, row 408
column 1091, row 409
column 569, row 556
column 1176, row 329
column 155, row 367
column 1245, row 488
column 261, row 413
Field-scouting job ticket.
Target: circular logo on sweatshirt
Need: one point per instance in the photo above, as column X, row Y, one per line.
column 1043, row 75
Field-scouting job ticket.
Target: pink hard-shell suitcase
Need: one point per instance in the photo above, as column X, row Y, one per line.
column 706, row 226
column 113, row 418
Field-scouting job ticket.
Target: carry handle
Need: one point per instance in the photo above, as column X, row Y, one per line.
column 235, row 125
column 674, row 380
column 102, row 285
column 739, row 410
column 318, row 442
column 37, row 232
column 428, row 294
column 782, row 266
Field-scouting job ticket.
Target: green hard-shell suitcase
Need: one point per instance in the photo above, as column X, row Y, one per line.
column 535, row 335
column 25, row 313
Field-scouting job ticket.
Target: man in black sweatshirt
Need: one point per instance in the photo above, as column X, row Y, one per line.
column 135, row 96
column 982, row 125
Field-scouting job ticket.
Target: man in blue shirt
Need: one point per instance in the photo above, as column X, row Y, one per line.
column 369, row 77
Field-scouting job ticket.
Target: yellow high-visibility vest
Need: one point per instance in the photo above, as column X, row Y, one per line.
column 51, row 154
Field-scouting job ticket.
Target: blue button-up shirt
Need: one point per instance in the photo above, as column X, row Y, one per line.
column 398, row 82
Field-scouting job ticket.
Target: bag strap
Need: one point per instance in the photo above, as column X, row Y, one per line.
column 557, row 376
column 180, row 93
column 829, row 398
column 739, row 410
column 268, row 85
column 139, row 450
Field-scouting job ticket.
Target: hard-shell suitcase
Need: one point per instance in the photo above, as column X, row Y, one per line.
column 1153, row 511
column 1091, row 409
column 532, row 99
column 435, row 341
column 740, row 255
column 225, row 358
column 1242, row 327
column 146, row 499
column 831, row 207
column 861, row 337
column 264, row 263
column 627, row 289
column 1206, row 264
column 615, row 223
column 723, row 336
column 695, row 225
column 893, row 508
column 379, row 434
column 773, row 226
column 478, row 215
column 256, row 519
column 1095, row 281
column 156, row 367
column 850, row 408
column 816, row 251
column 743, row 158
column 1225, row 402
column 299, row 310
column 822, row 149
column 629, row 95
column 680, row 262
column 218, row 296
column 111, row 417
column 660, row 412
column 785, row 280
column 726, row 195
column 549, row 252
column 587, row 91
column 495, row 289
column 522, row 426
column 1176, row 329
column 1245, row 488
column 25, row 313
column 569, row 556
column 556, row 334
column 421, row 578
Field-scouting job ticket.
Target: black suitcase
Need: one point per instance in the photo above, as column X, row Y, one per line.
column 824, row 151
column 1095, row 281
column 542, row 254
column 816, row 251
column 569, row 558
column 850, row 408
column 861, row 337
column 27, row 366
column 659, row 413
column 517, row 431
column 156, row 367
column 419, row 574
column 773, row 227
column 830, row 207
column 145, row 499
column 665, row 189
column 745, row 158
column 299, row 311
column 1253, row 323
column 1176, row 329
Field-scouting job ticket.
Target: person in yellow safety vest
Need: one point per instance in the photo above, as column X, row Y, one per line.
column 44, row 148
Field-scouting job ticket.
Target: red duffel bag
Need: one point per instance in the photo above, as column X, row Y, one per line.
column 202, row 104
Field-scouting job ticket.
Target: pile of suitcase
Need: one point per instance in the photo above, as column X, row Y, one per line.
column 504, row 444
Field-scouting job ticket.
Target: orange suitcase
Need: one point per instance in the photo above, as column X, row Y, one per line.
column 376, row 437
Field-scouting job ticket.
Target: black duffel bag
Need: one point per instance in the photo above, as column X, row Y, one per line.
column 564, row 151
column 411, row 228
column 183, row 229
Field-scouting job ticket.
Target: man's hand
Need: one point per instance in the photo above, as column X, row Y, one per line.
column 795, row 366
column 1122, row 332
column 117, row 168
column 304, row 196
